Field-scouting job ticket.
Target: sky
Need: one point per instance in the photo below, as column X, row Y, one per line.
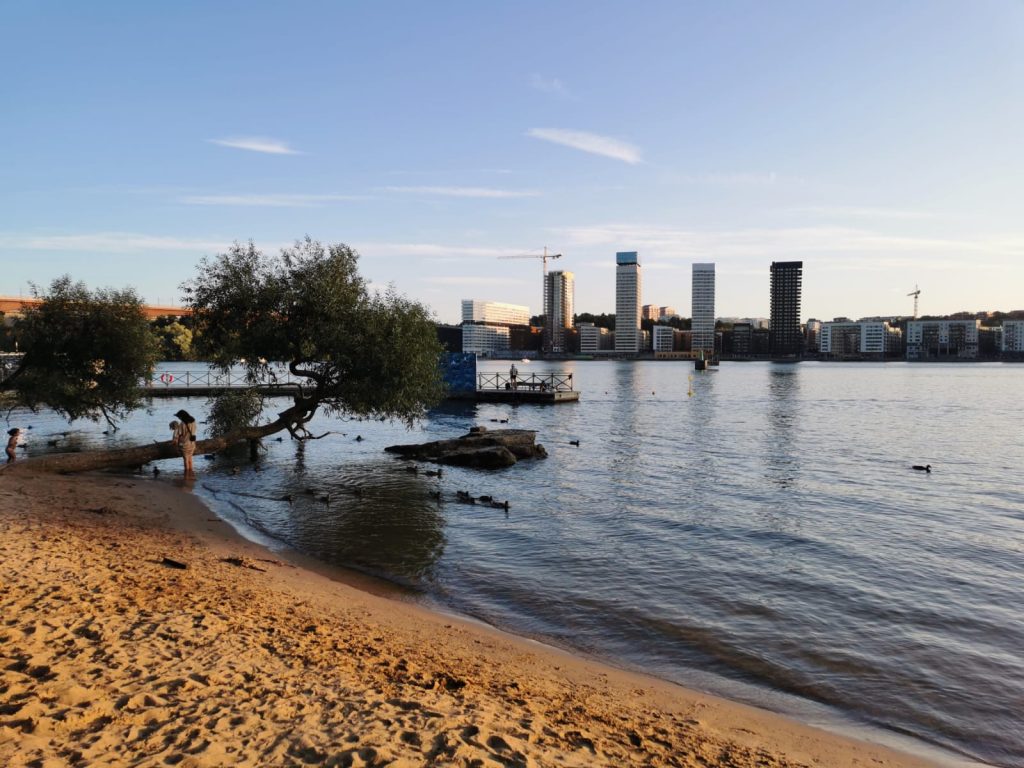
column 881, row 142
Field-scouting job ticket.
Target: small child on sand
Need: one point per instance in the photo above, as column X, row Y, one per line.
column 12, row 443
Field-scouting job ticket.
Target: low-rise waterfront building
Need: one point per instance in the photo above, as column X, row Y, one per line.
column 866, row 339
column 942, row 339
column 594, row 340
column 1012, row 343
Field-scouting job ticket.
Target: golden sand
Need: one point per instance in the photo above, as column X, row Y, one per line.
column 111, row 656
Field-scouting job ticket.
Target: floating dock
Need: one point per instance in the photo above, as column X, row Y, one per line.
column 206, row 383
column 539, row 388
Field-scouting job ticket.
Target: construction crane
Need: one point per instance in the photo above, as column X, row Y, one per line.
column 544, row 256
column 915, row 293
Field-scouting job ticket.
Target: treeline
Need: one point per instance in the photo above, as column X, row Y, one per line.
column 175, row 336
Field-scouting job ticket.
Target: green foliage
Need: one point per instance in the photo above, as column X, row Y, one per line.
column 604, row 320
column 175, row 339
column 363, row 355
column 234, row 410
column 85, row 352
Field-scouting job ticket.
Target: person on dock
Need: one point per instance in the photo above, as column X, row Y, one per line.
column 12, row 443
column 513, row 374
column 185, row 438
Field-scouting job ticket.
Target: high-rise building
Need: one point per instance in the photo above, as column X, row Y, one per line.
column 702, row 308
column 486, row 325
column 559, row 290
column 628, row 289
column 784, row 336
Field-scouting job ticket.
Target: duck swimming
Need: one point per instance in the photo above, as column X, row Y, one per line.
column 926, row 468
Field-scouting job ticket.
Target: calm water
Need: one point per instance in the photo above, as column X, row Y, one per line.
column 764, row 538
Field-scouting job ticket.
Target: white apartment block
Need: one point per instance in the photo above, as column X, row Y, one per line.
column 628, row 290
column 667, row 312
column 486, row 325
column 594, row 340
column 664, row 338
column 874, row 338
column 494, row 312
column 702, row 307
column 1013, row 336
column 932, row 339
column 484, row 339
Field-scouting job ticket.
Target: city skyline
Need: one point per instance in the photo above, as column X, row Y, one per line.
column 875, row 143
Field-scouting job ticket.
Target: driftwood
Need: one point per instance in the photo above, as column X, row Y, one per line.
column 480, row 448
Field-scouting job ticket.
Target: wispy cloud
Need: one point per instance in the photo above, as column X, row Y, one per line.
column 434, row 251
column 548, row 84
column 471, row 280
column 477, row 192
column 595, row 144
column 860, row 212
column 270, row 201
column 108, row 242
column 729, row 179
column 256, row 144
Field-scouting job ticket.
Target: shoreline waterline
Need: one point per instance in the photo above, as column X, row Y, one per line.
column 140, row 518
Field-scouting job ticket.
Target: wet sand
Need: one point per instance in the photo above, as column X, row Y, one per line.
column 110, row 655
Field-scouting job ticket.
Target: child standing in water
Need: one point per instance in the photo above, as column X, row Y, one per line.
column 185, row 438
column 12, row 443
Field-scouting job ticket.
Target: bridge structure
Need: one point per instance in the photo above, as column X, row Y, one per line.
column 16, row 305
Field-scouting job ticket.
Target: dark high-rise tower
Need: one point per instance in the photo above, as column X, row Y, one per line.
column 785, row 339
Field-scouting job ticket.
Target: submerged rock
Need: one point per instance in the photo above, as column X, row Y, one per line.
column 480, row 448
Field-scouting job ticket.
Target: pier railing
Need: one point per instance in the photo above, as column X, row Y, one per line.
column 542, row 382
column 212, row 379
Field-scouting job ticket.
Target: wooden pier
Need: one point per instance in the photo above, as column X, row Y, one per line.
column 539, row 388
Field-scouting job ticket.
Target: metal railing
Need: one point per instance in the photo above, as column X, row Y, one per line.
column 209, row 379
column 541, row 382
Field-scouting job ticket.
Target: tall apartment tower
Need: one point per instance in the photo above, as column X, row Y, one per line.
column 627, row 302
column 702, row 308
column 559, row 290
column 784, row 337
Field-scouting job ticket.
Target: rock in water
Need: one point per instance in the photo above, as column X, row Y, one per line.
column 480, row 448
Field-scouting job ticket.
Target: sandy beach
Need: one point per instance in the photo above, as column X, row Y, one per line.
column 110, row 655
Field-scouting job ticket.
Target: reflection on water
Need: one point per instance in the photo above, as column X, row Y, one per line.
column 763, row 534
column 781, row 459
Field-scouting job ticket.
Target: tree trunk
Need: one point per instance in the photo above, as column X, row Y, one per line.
column 88, row 461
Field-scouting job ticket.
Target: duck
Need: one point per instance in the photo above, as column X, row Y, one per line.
column 575, row 442
column 433, row 473
column 926, row 468
column 288, row 497
column 359, row 438
column 413, row 469
column 500, row 505
column 326, row 498
column 435, row 495
column 503, row 421
column 156, row 471
column 486, row 499
column 464, row 497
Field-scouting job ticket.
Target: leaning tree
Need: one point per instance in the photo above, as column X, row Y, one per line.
column 359, row 353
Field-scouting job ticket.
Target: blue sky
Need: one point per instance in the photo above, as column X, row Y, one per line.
column 882, row 143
